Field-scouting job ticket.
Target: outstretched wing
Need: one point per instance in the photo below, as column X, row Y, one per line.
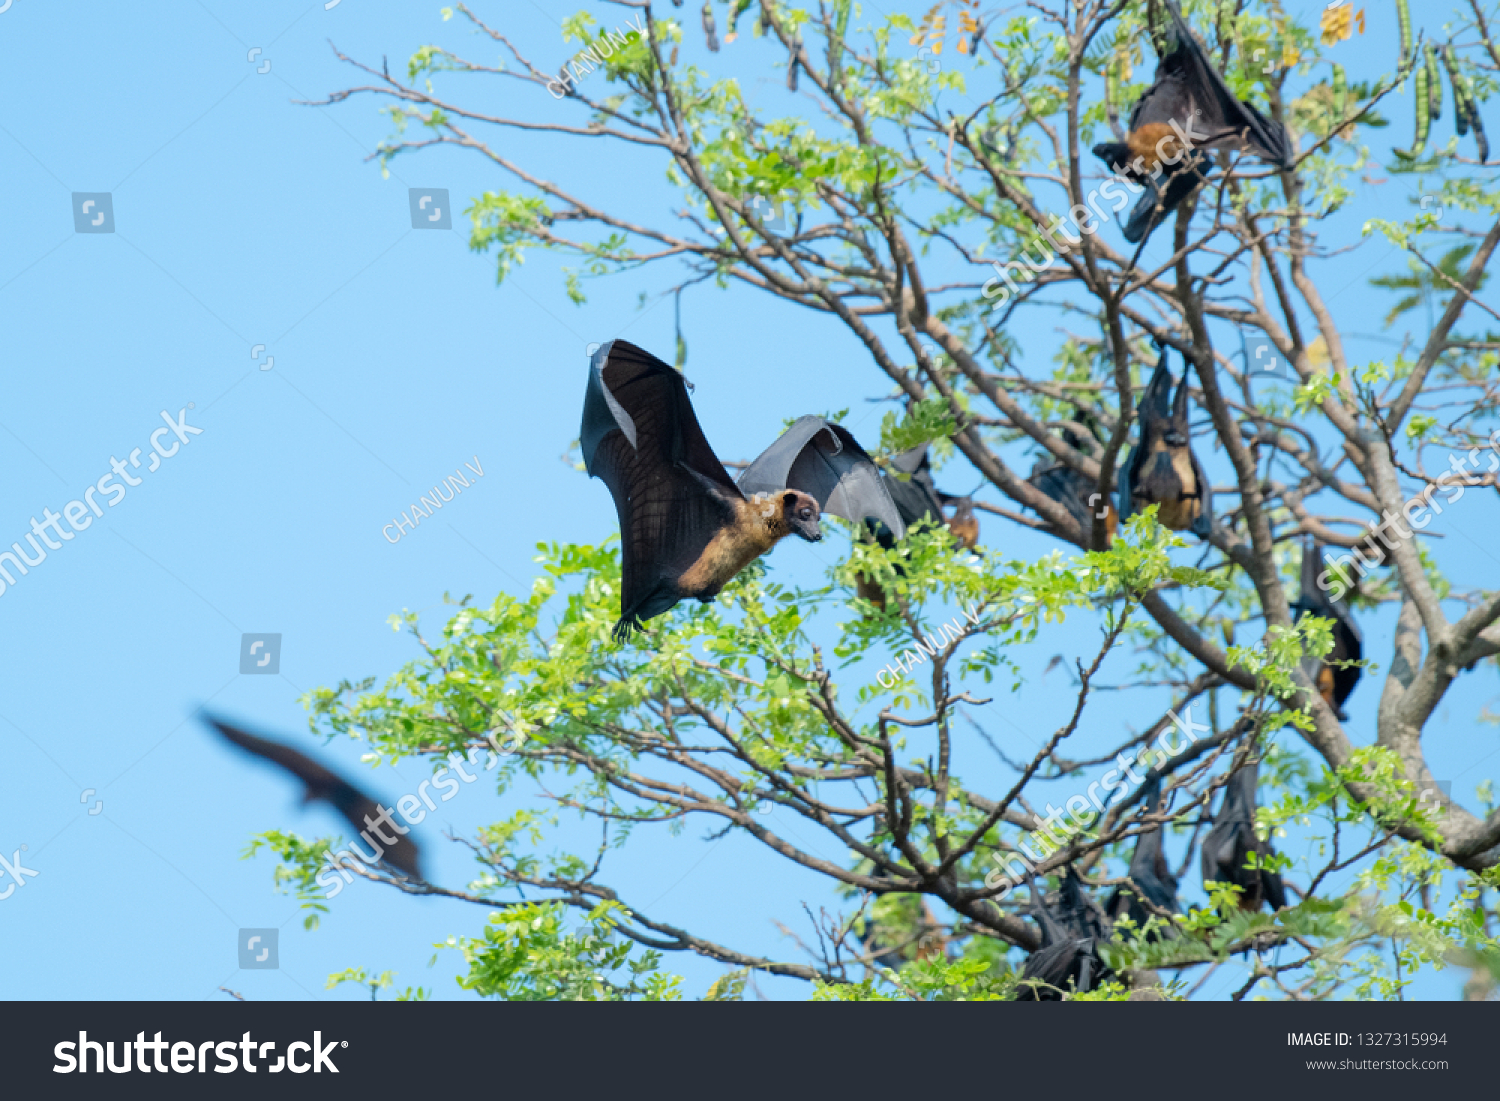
column 824, row 461
column 641, row 437
column 321, row 783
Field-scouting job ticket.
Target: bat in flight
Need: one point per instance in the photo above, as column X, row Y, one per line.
column 1187, row 111
column 1149, row 871
column 1335, row 683
column 686, row 529
column 917, row 498
column 1161, row 468
column 1076, row 492
column 362, row 812
column 1232, row 839
column 1068, row 958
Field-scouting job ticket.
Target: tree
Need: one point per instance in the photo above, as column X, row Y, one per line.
column 901, row 206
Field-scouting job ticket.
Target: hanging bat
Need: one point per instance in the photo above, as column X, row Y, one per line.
column 1068, row 958
column 1232, row 839
column 1149, row 871
column 1335, row 683
column 1161, row 468
column 916, row 499
column 1076, row 492
column 361, row 812
column 1187, row 111
column 686, row 529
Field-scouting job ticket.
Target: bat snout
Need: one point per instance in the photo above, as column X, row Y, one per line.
column 809, row 530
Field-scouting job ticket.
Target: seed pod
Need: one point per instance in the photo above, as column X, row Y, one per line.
column 1434, row 84
column 1424, row 120
column 1460, row 96
column 1340, row 94
column 708, row 27
column 1403, row 16
column 1465, row 109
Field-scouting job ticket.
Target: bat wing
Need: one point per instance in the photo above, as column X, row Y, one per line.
column 1153, row 412
column 641, row 437
column 1125, row 494
column 1203, row 524
column 1348, row 643
column 1156, row 202
column 1226, row 122
column 916, row 498
column 1065, row 486
column 824, row 461
column 321, row 783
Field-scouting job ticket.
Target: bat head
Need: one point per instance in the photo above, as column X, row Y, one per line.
column 801, row 511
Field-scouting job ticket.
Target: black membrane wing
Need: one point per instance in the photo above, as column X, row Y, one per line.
column 1225, row 122
column 1232, row 839
column 641, row 437
column 1348, row 642
column 1154, row 415
column 824, row 461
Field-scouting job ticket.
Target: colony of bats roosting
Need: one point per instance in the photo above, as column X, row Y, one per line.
column 687, row 528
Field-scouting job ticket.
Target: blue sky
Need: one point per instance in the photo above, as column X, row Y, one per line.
column 250, row 229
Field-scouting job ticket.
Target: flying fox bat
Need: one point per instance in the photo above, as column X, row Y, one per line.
column 686, row 529
column 1232, row 839
column 1187, row 111
column 361, row 812
column 1335, row 683
column 1076, row 492
column 1068, row 958
column 1162, row 469
column 1149, row 871
column 916, row 499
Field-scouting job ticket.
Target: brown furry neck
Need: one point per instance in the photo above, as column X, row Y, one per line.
column 759, row 524
column 1143, row 143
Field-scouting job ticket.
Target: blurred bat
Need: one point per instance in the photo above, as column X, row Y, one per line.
column 1335, row 684
column 1068, row 959
column 1149, row 871
column 1232, row 839
column 1187, row 111
column 1076, row 492
column 361, row 812
column 1162, row 469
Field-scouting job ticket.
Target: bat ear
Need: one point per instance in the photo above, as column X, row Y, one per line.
column 1180, row 405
